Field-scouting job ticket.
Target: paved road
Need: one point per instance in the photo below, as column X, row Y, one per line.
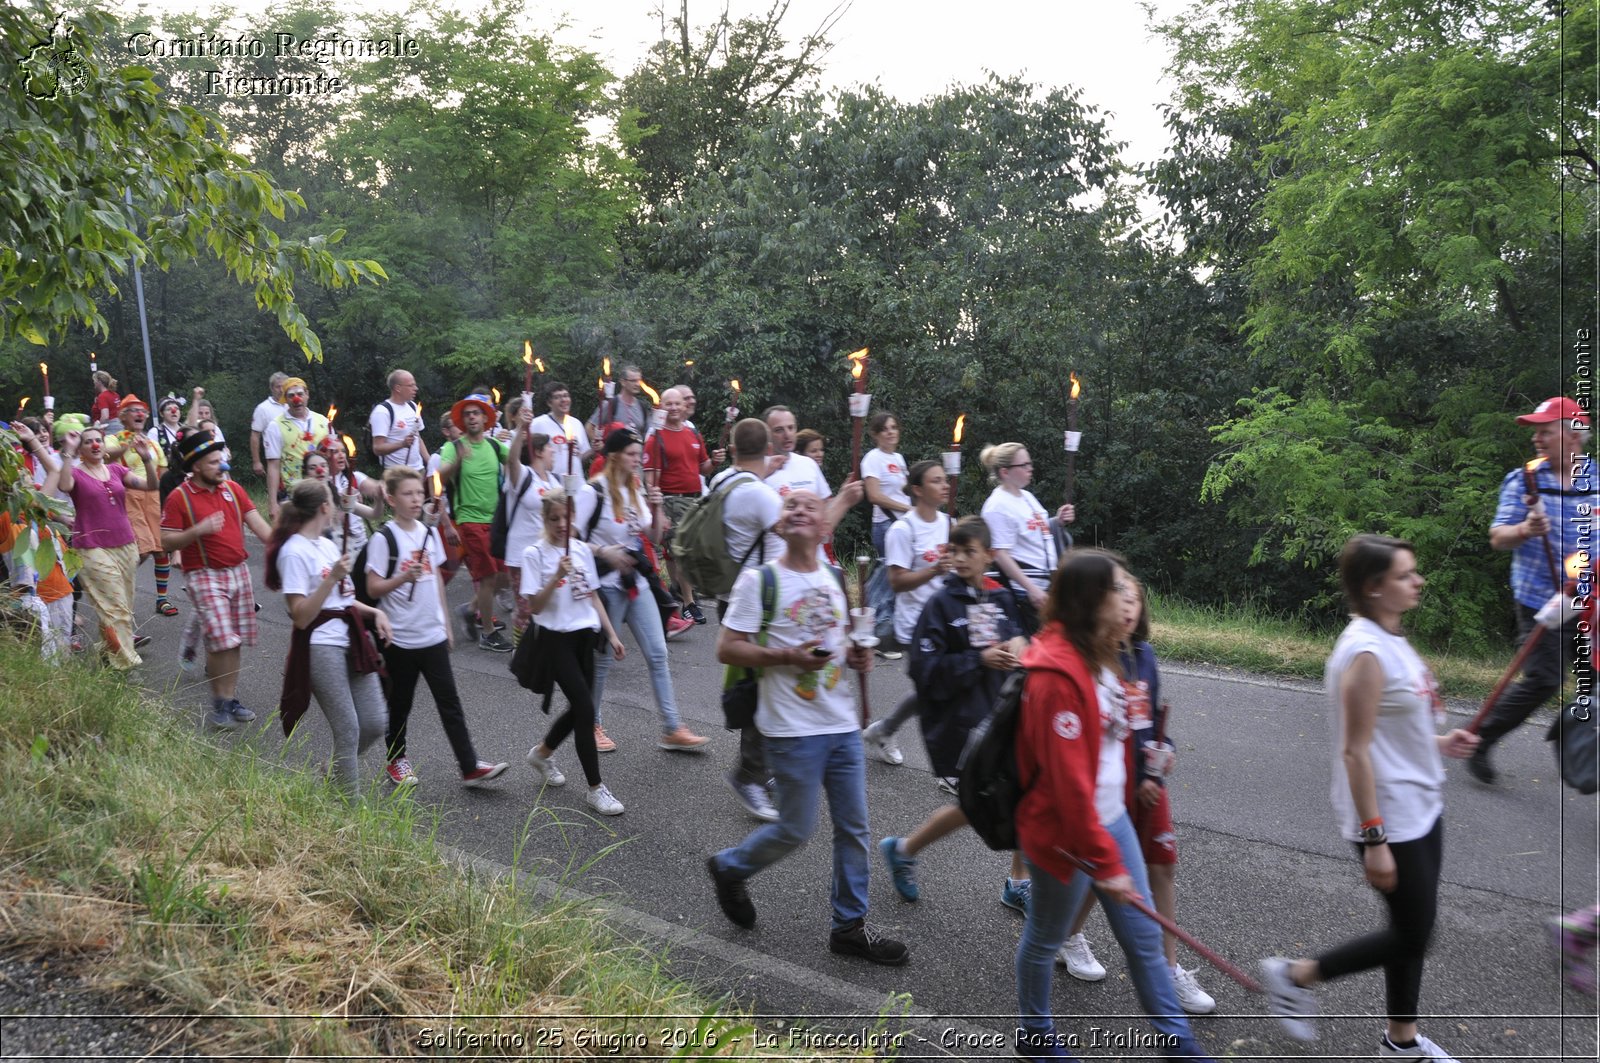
column 1262, row 871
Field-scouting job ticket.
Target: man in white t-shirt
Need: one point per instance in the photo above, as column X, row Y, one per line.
column 267, row 410
column 749, row 513
column 808, row 715
column 396, row 425
column 567, row 437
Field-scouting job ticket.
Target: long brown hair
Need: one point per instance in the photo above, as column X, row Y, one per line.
column 305, row 501
column 1078, row 593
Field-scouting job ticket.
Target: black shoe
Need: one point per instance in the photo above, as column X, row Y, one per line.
column 1479, row 768
column 469, row 620
column 859, row 939
column 732, row 897
column 692, row 611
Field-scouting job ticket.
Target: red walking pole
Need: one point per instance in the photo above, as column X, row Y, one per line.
column 1181, row 934
column 1500, row 688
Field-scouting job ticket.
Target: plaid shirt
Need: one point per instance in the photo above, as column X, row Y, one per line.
column 1572, row 513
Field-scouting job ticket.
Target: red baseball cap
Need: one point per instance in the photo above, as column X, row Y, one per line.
column 1559, row 408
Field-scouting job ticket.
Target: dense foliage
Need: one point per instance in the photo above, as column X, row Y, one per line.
column 1376, row 242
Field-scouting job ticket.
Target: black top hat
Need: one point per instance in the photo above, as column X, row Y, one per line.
column 196, row 445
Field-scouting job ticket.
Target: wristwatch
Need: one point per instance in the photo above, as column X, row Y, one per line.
column 1374, row 835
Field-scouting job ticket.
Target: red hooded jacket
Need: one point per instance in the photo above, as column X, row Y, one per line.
column 1058, row 756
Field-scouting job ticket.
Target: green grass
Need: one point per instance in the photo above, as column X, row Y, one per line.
column 213, row 882
column 1239, row 638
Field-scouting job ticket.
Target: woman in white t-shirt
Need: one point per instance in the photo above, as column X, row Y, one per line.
column 883, row 474
column 1388, row 793
column 559, row 581
column 327, row 465
column 525, row 486
column 915, row 556
column 614, row 513
column 1024, row 548
column 315, row 580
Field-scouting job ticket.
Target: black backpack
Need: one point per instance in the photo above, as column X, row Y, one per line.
column 373, row 460
column 358, row 573
column 991, row 785
column 500, row 523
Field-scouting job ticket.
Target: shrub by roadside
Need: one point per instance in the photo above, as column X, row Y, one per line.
column 217, row 884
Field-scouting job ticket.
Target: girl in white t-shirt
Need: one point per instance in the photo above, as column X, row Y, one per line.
column 915, row 556
column 1388, row 793
column 349, row 527
column 315, row 580
column 559, row 580
column 1024, row 548
column 883, row 474
column 614, row 513
column 525, row 487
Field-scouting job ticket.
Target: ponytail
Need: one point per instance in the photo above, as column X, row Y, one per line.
column 305, row 501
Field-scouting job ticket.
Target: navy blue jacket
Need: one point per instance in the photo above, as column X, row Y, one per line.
column 954, row 690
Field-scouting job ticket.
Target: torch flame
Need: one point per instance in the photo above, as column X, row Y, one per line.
column 1075, row 386
column 734, row 384
column 349, row 446
column 1533, row 466
column 527, row 352
column 333, row 411
column 538, row 363
column 858, row 362
column 496, row 393
column 45, row 369
column 605, row 366
column 24, row 403
column 436, row 489
column 961, row 426
column 688, row 361
column 655, row 398
column 1576, row 562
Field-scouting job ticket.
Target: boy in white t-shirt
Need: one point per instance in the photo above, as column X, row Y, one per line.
column 408, row 585
column 811, row 725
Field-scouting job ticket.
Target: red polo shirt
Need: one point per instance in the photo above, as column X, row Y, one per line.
column 678, row 455
column 190, row 504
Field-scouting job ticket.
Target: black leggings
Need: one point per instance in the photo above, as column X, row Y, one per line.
column 1399, row 948
column 570, row 665
column 432, row 663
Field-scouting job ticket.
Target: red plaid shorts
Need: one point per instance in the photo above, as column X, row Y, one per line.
column 226, row 604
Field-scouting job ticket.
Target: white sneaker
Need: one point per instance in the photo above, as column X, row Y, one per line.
column 753, row 796
column 950, row 784
column 601, row 801
column 1292, row 1004
column 1423, row 1049
column 881, row 745
column 1191, row 997
column 545, row 768
column 1079, row 960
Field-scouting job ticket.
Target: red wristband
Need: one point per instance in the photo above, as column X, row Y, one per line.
column 1375, row 821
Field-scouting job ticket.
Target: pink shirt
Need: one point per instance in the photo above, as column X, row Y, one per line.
column 101, row 509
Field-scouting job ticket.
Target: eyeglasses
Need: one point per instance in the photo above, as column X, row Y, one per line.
column 1018, row 465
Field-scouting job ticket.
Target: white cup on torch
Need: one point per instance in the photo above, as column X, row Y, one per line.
column 611, row 389
column 49, row 402
column 952, row 462
column 860, row 403
column 1158, row 758
column 572, row 483
column 862, row 624
column 658, row 418
column 1072, row 440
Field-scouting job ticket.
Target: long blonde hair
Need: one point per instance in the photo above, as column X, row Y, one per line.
column 616, row 476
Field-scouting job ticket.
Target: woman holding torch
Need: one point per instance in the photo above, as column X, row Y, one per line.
column 525, row 487
column 1024, row 550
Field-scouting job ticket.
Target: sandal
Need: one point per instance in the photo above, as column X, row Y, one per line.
column 165, row 607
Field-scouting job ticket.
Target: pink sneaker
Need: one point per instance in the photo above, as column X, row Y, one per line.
column 677, row 626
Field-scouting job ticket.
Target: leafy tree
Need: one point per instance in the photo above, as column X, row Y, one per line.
column 78, row 137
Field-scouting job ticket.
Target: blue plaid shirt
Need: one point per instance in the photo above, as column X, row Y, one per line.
column 1571, row 511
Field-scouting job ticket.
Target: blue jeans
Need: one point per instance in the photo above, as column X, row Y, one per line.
column 805, row 768
column 1050, row 911
column 880, row 596
column 644, row 620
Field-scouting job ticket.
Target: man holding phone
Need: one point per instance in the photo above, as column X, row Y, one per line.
column 810, row 723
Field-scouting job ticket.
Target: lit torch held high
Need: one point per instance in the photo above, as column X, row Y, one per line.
column 730, row 415
column 952, row 462
column 860, row 403
column 1073, row 436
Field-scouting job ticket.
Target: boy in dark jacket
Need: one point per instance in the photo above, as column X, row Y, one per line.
column 967, row 641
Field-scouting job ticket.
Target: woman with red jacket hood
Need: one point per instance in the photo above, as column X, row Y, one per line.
column 1070, row 754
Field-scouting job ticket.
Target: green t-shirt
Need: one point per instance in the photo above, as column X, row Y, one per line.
column 477, row 481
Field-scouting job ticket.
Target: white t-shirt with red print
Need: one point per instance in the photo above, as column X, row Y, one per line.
column 303, row 563
column 417, row 617
column 525, row 526
column 1019, row 524
column 914, row 544
column 571, row 606
column 890, row 470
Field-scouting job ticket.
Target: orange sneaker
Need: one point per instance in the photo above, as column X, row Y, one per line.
column 682, row 740
column 602, row 742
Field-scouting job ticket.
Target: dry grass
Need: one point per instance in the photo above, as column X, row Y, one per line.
column 306, row 924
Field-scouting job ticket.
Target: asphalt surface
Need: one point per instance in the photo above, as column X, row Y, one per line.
column 1262, row 871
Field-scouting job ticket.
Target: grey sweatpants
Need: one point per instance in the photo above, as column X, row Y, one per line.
column 353, row 704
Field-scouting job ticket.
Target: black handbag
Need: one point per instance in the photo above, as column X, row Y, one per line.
column 739, row 700
column 1576, row 734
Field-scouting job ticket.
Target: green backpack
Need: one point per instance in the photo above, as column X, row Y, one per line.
column 700, row 541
